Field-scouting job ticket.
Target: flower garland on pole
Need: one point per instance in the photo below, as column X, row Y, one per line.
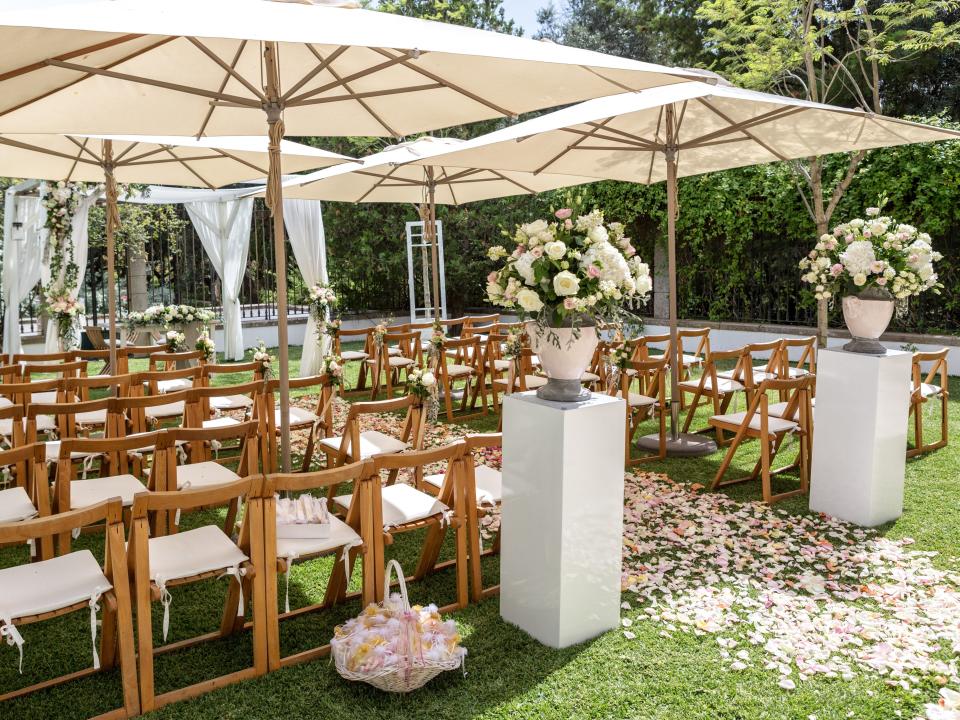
column 60, row 203
column 320, row 299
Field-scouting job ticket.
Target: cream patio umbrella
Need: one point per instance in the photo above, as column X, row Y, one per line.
column 416, row 172
column 668, row 132
column 227, row 66
column 164, row 160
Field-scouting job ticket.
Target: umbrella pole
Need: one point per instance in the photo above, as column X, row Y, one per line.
column 113, row 221
column 678, row 444
column 274, row 200
column 434, row 250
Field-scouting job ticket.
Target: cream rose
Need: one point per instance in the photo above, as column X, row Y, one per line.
column 566, row 283
column 555, row 249
column 529, row 300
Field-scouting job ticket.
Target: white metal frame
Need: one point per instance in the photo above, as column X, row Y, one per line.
column 416, row 241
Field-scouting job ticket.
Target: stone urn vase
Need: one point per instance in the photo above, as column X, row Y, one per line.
column 565, row 351
column 867, row 315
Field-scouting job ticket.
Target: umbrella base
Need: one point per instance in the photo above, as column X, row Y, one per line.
column 684, row 445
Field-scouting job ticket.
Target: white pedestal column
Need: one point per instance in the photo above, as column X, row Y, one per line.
column 860, row 435
column 562, row 516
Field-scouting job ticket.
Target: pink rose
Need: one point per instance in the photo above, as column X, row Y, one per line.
column 537, row 252
column 849, row 238
column 593, row 271
column 836, row 269
column 876, row 267
column 492, row 277
column 867, row 234
column 881, row 281
column 570, row 303
column 568, row 224
column 629, row 251
column 563, row 213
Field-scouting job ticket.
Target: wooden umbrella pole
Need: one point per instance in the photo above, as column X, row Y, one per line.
column 113, row 222
column 434, row 249
column 274, row 200
column 675, row 361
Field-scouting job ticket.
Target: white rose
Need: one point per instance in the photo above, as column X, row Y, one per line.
column 555, row 249
column 494, row 291
column 598, row 234
column 529, row 300
column 427, row 379
column 859, row 279
column 566, row 283
column 524, row 266
column 644, row 285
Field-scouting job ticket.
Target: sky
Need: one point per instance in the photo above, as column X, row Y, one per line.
column 524, row 13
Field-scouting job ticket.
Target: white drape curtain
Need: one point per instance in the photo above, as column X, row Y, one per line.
column 80, row 239
column 23, row 250
column 224, row 231
column 304, row 221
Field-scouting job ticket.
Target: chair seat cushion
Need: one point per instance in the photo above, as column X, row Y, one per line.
column 399, row 361
column 929, row 390
column 84, row 493
column 796, row 372
column 688, row 360
column 230, row 402
column 340, row 534
column 454, row 370
column 204, row 474
column 192, row 552
column 45, row 424
column 638, row 400
column 489, row 484
column 5, row 402
column 167, row 386
column 780, row 408
column 502, row 365
column 167, row 410
column 759, row 375
column 402, row 504
column 51, row 585
column 298, row 417
column 220, row 422
column 589, row 377
column 94, row 417
column 52, row 449
column 724, row 385
column 372, row 442
column 733, row 420
column 353, row 355
column 15, row 505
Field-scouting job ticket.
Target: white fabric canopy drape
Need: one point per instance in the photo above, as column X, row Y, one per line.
column 304, row 222
column 224, row 231
column 80, row 239
column 23, row 250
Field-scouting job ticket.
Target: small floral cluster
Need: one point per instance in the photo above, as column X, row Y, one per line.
column 332, row 367
column 513, row 345
column 579, row 265
column 876, row 252
column 379, row 330
column 60, row 203
column 168, row 315
column 437, row 339
column 422, row 383
column 333, row 327
column 63, row 311
column 206, row 345
column 393, row 637
column 619, row 357
column 262, row 356
column 176, row 341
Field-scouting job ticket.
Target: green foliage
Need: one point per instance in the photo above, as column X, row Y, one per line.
column 483, row 14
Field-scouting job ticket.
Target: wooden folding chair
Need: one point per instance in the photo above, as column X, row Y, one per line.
column 771, row 431
column 126, row 353
column 11, row 374
column 648, row 402
column 348, row 538
column 166, row 361
column 927, row 387
column 468, row 368
column 12, row 426
column 95, row 418
column 51, row 423
column 160, row 564
column 157, row 407
column 29, row 494
column 51, row 358
column 398, row 508
column 806, row 361
column 318, row 422
column 388, row 366
column 74, row 582
column 350, row 356
column 209, row 372
column 96, row 355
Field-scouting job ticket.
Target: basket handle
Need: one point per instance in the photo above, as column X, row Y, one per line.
column 393, row 568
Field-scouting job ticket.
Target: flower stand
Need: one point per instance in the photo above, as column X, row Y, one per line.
column 860, row 435
column 562, row 516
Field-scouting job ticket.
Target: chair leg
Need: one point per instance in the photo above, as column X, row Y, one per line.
column 765, row 460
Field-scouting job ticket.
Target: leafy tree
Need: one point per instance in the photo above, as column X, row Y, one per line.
column 483, row 14
column 824, row 51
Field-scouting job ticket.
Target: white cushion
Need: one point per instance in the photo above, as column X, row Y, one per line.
column 220, row 422
column 5, row 402
column 340, row 534
column 489, row 483
column 298, row 416
column 780, row 408
column 166, row 386
column 167, row 410
column 589, row 377
column 94, row 417
column 759, row 375
column 688, row 360
column 393, row 351
column 796, row 372
column 191, row 553
column 42, row 398
column 50, row 585
column 52, row 449
column 502, row 365
column 638, row 400
column 204, row 474
column 84, row 493
column 399, row 361
column 15, row 505
column 774, row 424
column 402, row 504
column 45, row 423
column 454, row 370
column 928, row 390
column 372, row 443
column 724, row 385
column 352, row 355
column 230, row 402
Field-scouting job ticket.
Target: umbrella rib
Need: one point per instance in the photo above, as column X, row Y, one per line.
column 298, row 99
column 656, row 135
column 223, row 86
column 744, row 126
column 369, row 94
column 73, row 166
column 238, row 159
column 513, row 182
column 83, row 147
column 41, row 64
column 324, row 63
column 452, row 86
column 142, row 155
column 45, row 151
column 241, row 101
column 162, row 161
column 378, row 183
column 448, row 181
column 653, row 144
column 627, row 139
column 346, row 86
column 188, row 167
column 230, row 70
column 599, row 126
column 70, row 84
column 127, row 151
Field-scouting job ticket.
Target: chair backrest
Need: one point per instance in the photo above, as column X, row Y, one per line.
column 472, row 322
column 116, row 385
column 408, row 343
column 89, row 356
column 210, row 370
column 352, row 335
column 65, row 414
column 168, row 360
column 197, row 438
column 75, row 368
column 644, row 343
column 653, row 374
column 11, row 373
column 24, row 392
column 807, row 359
column 95, row 336
column 799, row 408
column 30, row 473
column 127, row 353
column 54, row 357
column 298, row 483
column 151, row 379
column 417, row 460
column 695, row 342
column 482, row 440
column 130, row 411
column 46, row 528
column 413, row 424
column 15, row 414
column 772, row 351
column 468, row 351
column 938, row 366
column 200, row 406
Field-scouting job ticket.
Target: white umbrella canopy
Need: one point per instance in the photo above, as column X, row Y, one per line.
column 157, row 160
column 668, row 132
column 416, row 172
column 225, row 66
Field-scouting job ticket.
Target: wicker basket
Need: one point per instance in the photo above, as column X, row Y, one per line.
column 398, row 679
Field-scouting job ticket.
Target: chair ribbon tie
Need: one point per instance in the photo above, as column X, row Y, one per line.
column 237, row 573
column 345, row 556
column 165, row 599
column 215, row 445
column 94, row 608
column 13, row 637
column 87, row 466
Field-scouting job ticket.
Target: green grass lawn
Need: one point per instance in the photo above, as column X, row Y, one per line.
column 509, row 675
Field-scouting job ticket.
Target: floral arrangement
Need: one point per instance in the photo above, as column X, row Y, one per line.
column 60, row 203
column 378, row 332
column 262, row 356
column 169, row 315
column 320, row 298
column 571, row 268
column 422, row 383
column 513, row 346
column 437, row 339
column 176, row 341
column 206, row 345
column 332, row 367
column 333, row 327
column 387, row 637
column 872, row 253
column 63, row 311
